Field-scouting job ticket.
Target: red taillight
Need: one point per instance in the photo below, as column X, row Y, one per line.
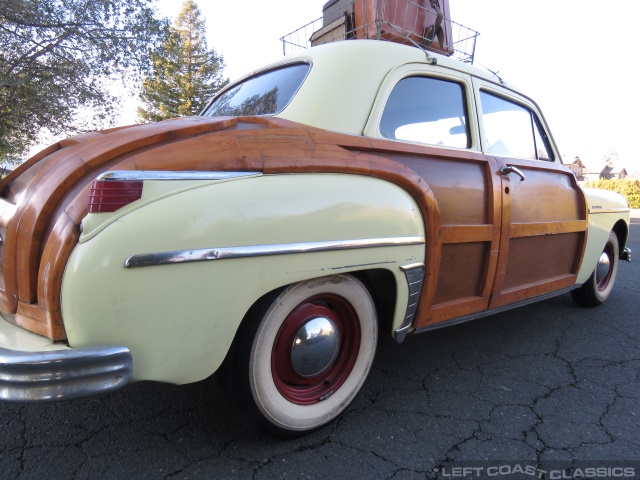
column 110, row 195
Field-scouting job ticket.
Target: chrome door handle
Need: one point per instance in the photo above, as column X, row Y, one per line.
column 507, row 170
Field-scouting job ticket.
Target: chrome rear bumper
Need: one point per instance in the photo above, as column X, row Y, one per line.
column 49, row 376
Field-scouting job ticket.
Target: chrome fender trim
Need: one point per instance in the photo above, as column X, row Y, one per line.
column 210, row 254
column 415, row 279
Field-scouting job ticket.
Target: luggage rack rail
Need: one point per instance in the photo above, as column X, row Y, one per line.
column 399, row 21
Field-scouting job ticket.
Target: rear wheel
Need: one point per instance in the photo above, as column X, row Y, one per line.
column 300, row 360
column 599, row 285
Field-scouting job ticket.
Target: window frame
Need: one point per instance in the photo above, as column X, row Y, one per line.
column 372, row 127
column 259, row 73
column 537, row 119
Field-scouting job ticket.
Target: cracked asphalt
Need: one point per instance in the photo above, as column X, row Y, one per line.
column 546, row 382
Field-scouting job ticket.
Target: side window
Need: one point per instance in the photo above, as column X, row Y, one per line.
column 427, row 110
column 512, row 130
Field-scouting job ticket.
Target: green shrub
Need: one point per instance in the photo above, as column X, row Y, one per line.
column 634, row 201
column 627, row 188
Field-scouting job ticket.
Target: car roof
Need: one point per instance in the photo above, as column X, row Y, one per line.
column 391, row 51
column 345, row 78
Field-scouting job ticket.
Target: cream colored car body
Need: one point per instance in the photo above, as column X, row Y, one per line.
column 179, row 320
column 606, row 210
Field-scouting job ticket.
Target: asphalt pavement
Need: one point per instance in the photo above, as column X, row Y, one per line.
column 547, row 386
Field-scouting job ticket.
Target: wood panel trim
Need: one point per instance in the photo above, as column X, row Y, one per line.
column 28, row 164
column 467, row 233
column 519, row 230
column 442, row 312
column 57, row 250
column 523, row 292
column 38, row 320
column 503, row 247
column 495, row 218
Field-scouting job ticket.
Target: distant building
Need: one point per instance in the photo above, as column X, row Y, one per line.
column 610, row 172
column 578, row 169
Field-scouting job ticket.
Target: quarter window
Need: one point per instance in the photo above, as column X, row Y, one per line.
column 263, row 94
column 427, row 110
column 512, row 130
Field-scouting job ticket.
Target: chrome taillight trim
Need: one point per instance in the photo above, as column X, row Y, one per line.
column 222, row 253
column 142, row 175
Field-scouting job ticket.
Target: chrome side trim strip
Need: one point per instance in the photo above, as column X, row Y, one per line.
column 62, row 374
column 141, row 175
column 415, row 279
column 210, row 254
column 486, row 313
column 597, row 209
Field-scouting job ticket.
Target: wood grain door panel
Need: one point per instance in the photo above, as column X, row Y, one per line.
column 468, row 195
column 544, row 226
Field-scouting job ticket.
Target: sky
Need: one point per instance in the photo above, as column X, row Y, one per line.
column 573, row 57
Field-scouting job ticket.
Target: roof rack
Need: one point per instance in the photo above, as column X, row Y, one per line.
column 402, row 21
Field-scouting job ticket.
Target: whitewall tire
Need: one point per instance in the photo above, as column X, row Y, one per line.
column 303, row 359
column 600, row 284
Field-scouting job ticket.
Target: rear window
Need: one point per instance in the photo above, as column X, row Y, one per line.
column 264, row 94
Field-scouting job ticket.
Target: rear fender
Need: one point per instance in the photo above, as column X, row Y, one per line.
column 179, row 318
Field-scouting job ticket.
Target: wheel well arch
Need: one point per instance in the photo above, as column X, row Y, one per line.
column 621, row 230
column 380, row 283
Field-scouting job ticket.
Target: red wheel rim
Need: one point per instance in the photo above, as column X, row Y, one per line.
column 310, row 390
column 603, row 281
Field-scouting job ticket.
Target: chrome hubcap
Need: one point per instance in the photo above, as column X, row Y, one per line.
column 315, row 347
column 603, row 269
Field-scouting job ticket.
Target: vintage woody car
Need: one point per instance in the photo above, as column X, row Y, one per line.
column 353, row 190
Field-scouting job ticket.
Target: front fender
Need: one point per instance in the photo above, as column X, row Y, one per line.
column 179, row 320
column 607, row 211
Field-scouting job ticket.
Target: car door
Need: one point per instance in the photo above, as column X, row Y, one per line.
column 429, row 114
column 544, row 223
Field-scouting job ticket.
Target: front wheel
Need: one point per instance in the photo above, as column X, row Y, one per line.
column 298, row 363
column 599, row 285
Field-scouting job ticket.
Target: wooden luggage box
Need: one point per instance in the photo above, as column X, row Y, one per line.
column 425, row 22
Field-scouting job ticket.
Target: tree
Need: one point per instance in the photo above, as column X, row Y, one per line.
column 611, row 157
column 186, row 74
column 59, row 59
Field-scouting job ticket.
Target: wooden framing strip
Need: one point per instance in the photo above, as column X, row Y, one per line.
column 442, row 311
column 547, row 228
column 467, row 233
column 523, row 292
